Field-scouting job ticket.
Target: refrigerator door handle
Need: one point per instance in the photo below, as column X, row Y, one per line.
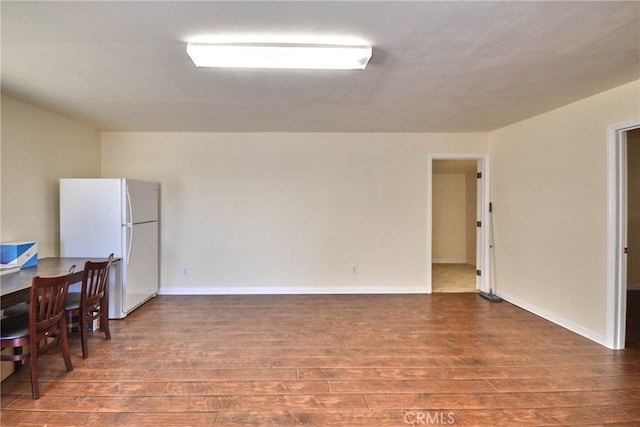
column 130, row 243
column 129, row 226
column 129, row 220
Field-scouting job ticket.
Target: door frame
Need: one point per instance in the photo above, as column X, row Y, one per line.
column 617, row 232
column 483, row 242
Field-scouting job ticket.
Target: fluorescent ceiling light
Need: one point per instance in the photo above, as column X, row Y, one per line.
column 319, row 57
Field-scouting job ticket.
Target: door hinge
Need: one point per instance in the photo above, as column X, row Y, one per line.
column 479, row 223
column 479, row 175
column 478, row 272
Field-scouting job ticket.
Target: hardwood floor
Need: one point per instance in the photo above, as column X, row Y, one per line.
column 329, row 360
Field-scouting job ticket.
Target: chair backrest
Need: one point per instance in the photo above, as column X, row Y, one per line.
column 47, row 302
column 95, row 280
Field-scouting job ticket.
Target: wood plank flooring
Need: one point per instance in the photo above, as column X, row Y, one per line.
column 331, row 360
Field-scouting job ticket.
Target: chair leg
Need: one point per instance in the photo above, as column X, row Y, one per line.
column 83, row 334
column 69, row 314
column 104, row 321
column 64, row 345
column 33, row 362
column 17, row 365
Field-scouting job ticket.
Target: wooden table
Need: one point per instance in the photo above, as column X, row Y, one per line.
column 15, row 287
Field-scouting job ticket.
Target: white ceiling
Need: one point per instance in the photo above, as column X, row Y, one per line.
column 436, row 66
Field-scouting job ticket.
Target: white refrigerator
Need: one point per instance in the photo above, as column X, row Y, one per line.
column 99, row 216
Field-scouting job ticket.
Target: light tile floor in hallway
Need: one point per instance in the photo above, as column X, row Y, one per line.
column 453, row 278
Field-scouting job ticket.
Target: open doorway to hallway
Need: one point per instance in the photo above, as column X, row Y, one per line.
column 623, row 230
column 454, row 225
column 632, row 334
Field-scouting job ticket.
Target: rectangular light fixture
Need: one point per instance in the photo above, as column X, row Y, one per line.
column 282, row 56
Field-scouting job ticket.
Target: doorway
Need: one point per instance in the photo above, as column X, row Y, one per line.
column 454, row 213
column 632, row 328
column 623, row 229
column 458, row 229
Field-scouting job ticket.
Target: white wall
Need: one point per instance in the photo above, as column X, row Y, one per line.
column 550, row 209
column 38, row 148
column 288, row 212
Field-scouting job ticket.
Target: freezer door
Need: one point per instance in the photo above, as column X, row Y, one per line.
column 90, row 211
column 141, row 267
column 141, row 201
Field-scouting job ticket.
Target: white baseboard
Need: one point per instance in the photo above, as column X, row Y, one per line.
column 449, row 261
column 289, row 290
column 454, row 261
column 558, row 320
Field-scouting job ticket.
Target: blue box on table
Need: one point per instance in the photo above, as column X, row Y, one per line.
column 22, row 254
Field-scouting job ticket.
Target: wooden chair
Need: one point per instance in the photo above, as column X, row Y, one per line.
column 46, row 319
column 92, row 302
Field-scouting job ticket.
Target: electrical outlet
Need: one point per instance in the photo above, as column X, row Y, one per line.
column 354, row 269
column 184, row 272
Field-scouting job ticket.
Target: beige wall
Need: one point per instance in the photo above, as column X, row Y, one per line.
column 454, row 202
column 633, row 217
column 288, row 212
column 549, row 193
column 449, row 218
column 38, row 148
